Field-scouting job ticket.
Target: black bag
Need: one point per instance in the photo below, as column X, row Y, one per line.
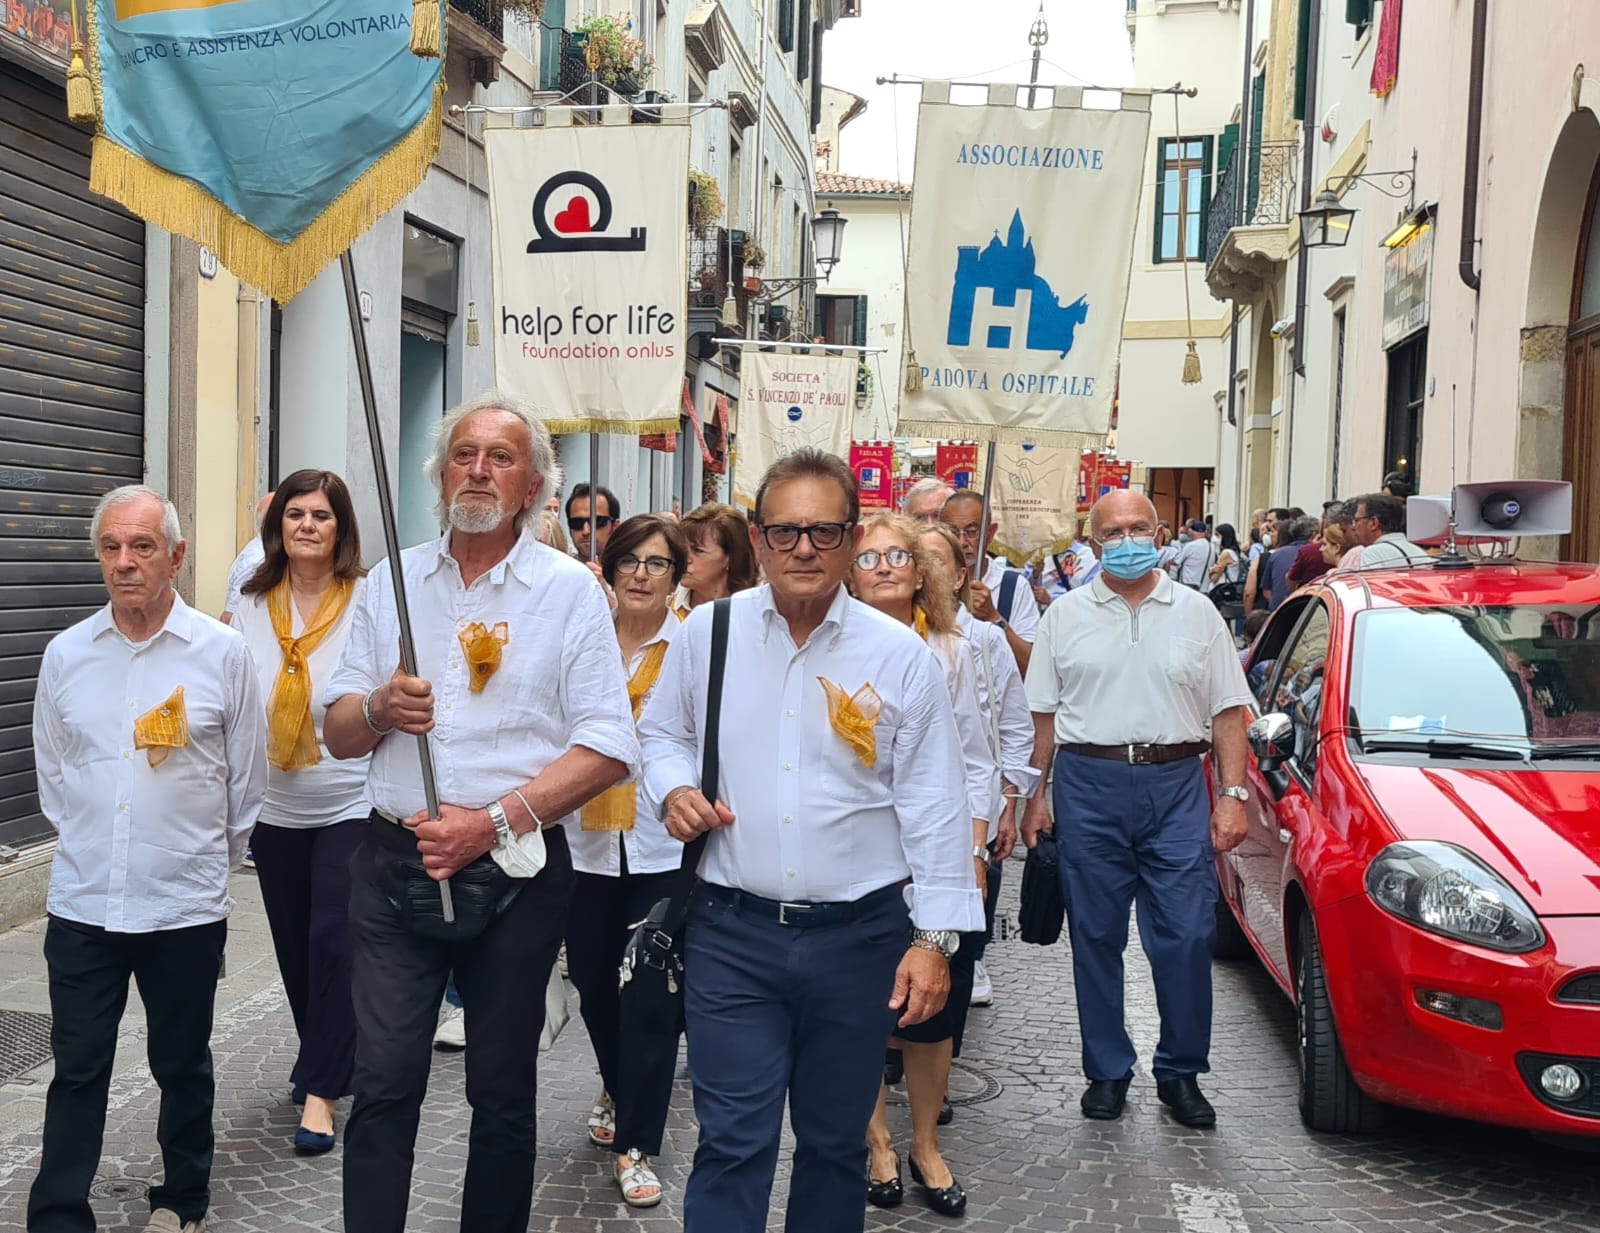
column 478, row 893
column 1042, row 908
column 652, row 964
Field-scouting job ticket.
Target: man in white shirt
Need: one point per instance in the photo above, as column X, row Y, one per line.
column 150, row 741
column 245, row 564
column 800, row 956
column 1192, row 566
column 1134, row 679
column 995, row 586
column 1380, row 527
column 520, row 686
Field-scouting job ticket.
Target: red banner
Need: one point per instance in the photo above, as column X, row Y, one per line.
column 902, row 485
column 956, row 463
column 714, row 455
column 664, row 443
column 1099, row 474
column 873, row 463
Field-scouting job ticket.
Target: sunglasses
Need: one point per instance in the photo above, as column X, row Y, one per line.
column 824, row 536
column 601, row 521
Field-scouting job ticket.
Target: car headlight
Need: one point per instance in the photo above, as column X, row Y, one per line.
column 1446, row 890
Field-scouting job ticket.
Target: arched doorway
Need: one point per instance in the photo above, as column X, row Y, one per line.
column 1580, row 446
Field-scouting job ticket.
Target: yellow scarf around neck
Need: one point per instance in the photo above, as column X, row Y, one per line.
column 614, row 809
column 291, row 735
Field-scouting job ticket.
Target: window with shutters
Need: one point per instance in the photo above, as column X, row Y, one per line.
column 802, row 43
column 786, row 24
column 1183, row 197
column 842, row 319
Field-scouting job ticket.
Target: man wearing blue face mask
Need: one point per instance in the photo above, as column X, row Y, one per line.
column 1133, row 680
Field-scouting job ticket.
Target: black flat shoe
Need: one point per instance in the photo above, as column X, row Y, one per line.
column 948, row 1200
column 313, row 1143
column 1104, row 1098
column 946, row 1114
column 886, row 1194
column 1188, row 1104
column 894, row 1067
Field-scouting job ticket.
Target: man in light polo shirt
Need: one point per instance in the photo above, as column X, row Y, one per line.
column 1133, row 679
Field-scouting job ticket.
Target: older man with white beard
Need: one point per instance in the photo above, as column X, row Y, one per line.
column 520, row 686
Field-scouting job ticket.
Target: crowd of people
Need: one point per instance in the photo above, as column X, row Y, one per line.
column 900, row 708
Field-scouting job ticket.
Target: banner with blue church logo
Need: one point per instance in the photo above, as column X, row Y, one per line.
column 274, row 132
column 1022, row 237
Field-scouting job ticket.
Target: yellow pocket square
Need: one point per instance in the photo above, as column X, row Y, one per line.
column 482, row 647
column 162, row 728
column 854, row 717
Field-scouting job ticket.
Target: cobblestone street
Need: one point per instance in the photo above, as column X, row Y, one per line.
column 1028, row 1160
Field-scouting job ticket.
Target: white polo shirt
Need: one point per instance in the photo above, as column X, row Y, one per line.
column 1115, row 675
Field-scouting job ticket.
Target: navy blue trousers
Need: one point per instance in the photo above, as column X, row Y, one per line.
column 775, row 1011
column 1138, row 834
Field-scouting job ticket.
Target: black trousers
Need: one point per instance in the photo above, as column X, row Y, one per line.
column 305, row 886
column 637, row 1068
column 176, row 971
column 397, row 979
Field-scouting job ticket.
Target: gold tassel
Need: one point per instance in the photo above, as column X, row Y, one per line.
column 80, row 94
column 425, row 40
column 473, row 337
column 1191, row 365
column 913, row 384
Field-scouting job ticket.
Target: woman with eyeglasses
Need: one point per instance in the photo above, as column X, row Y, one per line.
column 623, row 871
column 894, row 573
column 721, row 560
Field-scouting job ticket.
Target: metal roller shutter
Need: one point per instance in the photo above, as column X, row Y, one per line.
column 71, row 399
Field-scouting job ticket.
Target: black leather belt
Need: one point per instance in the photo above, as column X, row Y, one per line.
column 798, row 915
column 1141, row 755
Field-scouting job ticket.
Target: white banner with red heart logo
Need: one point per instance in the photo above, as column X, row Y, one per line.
column 590, row 251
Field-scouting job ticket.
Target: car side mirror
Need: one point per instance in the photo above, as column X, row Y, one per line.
column 1271, row 740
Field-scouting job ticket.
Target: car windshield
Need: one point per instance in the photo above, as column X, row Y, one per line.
column 1514, row 681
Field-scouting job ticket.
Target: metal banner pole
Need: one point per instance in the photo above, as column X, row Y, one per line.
column 391, row 535
column 983, row 527
column 594, row 494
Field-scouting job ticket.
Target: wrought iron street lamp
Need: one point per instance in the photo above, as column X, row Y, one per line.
column 1327, row 223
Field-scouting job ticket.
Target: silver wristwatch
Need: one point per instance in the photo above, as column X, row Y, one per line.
column 944, row 941
column 1238, row 791
column 504, row 836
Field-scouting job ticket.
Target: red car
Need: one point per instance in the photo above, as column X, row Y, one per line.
column 1422, row 869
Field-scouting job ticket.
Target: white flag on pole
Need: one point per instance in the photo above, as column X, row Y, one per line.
column 590, row 259
column 787, row 402
column 1022, row 234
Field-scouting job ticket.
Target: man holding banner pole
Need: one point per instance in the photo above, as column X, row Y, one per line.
column 1000, row 595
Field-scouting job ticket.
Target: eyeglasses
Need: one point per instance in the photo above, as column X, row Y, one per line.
column 656, row 567
column 973, row 532
column 601, row 522
column 824, row 536
column 898, row 558
column 1115, row 539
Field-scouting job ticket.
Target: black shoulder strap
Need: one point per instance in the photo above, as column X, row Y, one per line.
column 1008, row 591
column 710, row 752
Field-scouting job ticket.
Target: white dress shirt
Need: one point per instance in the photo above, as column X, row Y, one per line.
column 330, row 790
column 1003, row 703
column 650, row 849
column 246, row 563
column 1115, row 675
column 142, row 847
column 1024, row 615
column 812, row 823
column 1192, row 565
column 559, row 683
column 982, row 769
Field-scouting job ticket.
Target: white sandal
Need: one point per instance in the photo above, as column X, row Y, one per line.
column 636, row 1177
column 603, row 1122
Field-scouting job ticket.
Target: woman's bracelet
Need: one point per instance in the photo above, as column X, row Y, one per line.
column 366, row 714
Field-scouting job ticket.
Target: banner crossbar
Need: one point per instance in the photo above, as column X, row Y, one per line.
column 742, row 343
column 1137, row 91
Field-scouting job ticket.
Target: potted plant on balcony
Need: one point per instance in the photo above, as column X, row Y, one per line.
column 525, row 11
column 614, row 56
column 754, row 257
column 705, row 201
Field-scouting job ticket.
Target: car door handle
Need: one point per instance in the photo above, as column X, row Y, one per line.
column 1285, row 835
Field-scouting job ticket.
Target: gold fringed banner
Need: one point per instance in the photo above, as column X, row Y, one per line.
column 281, row 270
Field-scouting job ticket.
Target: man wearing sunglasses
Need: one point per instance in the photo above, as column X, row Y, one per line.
column 841, row 777
column 590, row 529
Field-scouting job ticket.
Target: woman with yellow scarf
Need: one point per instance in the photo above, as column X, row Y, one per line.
column 623, row 871
column 895, row 573
column 295, row 614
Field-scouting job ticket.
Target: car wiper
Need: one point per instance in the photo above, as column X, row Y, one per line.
column 1443, row 748
column 1553, row 752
